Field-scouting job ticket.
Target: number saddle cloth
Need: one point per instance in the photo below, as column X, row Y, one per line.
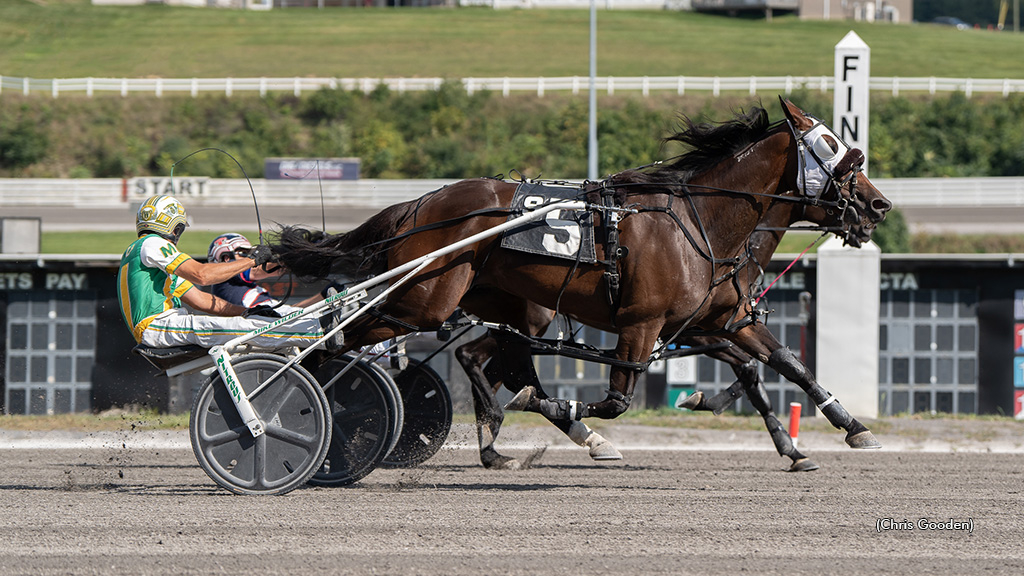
column 567, row 234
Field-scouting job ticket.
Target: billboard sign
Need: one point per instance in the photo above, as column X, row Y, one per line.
column 311, row 168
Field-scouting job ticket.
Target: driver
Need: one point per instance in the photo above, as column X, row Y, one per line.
column 155, row 279
column 242, row 289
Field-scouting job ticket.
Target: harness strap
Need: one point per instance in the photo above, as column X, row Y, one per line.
column 611, row 249
column 568, row 348
column 376, row 313
column 668, row 210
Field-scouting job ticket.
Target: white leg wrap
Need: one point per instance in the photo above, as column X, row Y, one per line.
column 600, row 448
column 574, row 408
column 579, row 432
column 830, row 400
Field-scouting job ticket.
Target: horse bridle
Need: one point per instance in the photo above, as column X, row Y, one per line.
column 834, row 184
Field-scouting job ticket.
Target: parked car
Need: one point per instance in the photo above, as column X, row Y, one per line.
column 951, row 21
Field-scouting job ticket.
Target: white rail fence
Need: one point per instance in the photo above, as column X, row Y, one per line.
column 372, row 193
column 506, row 85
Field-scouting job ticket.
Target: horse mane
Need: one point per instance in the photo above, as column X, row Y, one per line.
column 314, row 255
column 706, row 143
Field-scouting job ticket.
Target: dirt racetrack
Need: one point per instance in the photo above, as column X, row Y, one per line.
column 119, row 509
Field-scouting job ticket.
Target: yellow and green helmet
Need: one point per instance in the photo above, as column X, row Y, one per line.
column 162, row 215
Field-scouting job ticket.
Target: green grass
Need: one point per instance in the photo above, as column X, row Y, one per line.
column 72, row 38
column 195, row 243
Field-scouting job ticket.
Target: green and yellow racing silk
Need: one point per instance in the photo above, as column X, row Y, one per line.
column 146, row 283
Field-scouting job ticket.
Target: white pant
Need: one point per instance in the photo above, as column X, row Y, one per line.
column 178, row 327
column 378, row 348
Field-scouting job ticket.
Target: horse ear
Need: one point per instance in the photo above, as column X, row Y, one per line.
column 796, row 116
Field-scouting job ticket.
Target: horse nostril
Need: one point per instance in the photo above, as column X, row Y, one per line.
column 881, row 205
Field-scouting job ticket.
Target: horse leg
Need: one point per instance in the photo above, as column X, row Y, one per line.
column 748, row 381
column 484, row 382
column 635, row 344
column 725, row 398
column 525, row 381
column 758, row 396
column 598, row 446
column 531, row 318
column 758, row 341
column 717, row 403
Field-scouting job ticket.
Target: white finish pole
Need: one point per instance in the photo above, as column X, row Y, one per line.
column 852, row 92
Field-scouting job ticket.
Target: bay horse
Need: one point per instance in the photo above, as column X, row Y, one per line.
column 478, row 359
column 688, row 233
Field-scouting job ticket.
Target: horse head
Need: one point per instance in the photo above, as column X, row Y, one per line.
column 829, row 174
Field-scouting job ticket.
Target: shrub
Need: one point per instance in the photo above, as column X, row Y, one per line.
column 22, row 144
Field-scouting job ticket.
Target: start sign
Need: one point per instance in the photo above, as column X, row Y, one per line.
column 146, row 187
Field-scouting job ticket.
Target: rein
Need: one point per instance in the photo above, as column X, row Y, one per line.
column 777, row 278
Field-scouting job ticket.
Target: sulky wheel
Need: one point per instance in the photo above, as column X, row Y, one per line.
column 397, row 413
column 428, row 416
column 293, row 410
column 365, row 408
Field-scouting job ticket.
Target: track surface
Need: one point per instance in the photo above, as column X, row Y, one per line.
column 118, row 510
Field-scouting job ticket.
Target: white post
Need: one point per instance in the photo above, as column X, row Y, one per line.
column 592, row 153
column 847, row 324
column 851, row 95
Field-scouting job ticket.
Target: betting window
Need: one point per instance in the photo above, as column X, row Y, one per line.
column 51, row 347
column 928, row 352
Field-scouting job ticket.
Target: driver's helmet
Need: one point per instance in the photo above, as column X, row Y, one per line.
column 226, row 244
column 162, row 215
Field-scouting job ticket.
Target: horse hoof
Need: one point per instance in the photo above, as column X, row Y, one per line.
column 691, row 402
column 499, row 462
column 505, row 464
column 863, row 441
column 520, row 400
column 803, row 465
column 604, row 451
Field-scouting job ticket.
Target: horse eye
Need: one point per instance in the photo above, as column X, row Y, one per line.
column 825, row 147
column 831, row 143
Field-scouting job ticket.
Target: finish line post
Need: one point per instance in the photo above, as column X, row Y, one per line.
column 852, row 92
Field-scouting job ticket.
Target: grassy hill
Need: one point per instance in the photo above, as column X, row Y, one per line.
column 112, row 136
column 72, row 38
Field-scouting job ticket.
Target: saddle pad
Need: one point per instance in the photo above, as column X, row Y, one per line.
column 567, row 234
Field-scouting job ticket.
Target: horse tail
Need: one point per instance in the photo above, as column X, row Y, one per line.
column 312, row 254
